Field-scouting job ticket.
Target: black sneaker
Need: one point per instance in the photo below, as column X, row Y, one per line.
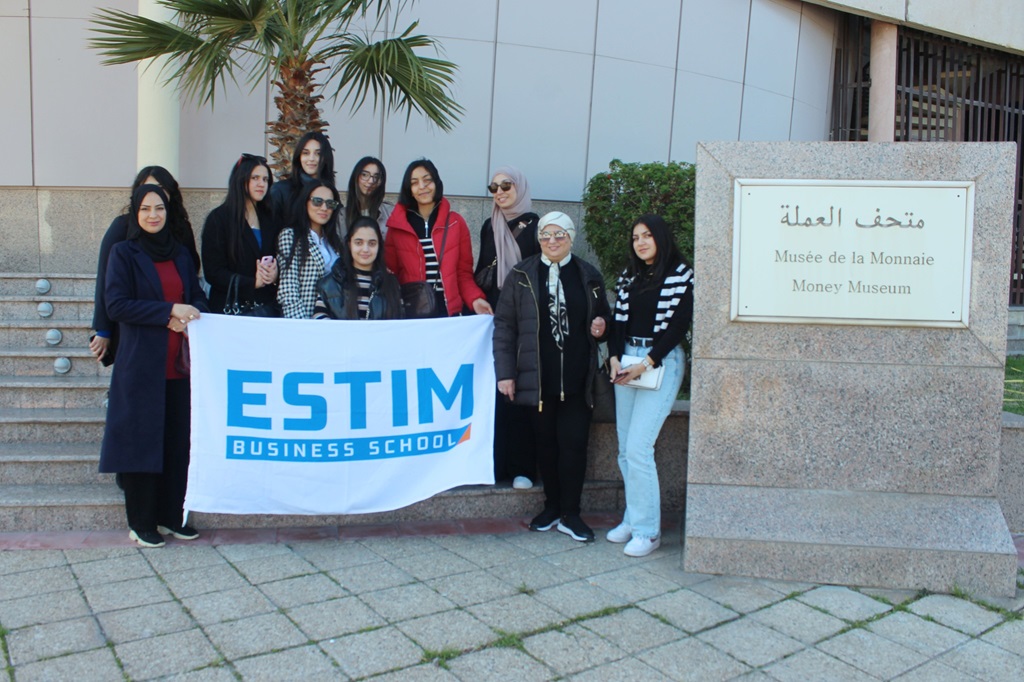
column 180, row 532
column 574, row 527
column 146, row 538
column 546, row 520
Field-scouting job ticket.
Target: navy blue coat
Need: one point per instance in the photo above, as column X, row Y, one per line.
column 134, row 437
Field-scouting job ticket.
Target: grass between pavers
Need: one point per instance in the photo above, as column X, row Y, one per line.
column 1013, row 389
column 7, row 659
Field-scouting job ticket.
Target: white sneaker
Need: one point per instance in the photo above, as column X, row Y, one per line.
column 522, row 483
column 641, row 546
column 620, row 533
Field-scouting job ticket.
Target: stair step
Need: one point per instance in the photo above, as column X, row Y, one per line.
column 50, row 463
column 51, row 425
column 93, row 506
column 63, row 307
column 31, row 333
column 62, row 391
column 24, row 284
column 40, row 362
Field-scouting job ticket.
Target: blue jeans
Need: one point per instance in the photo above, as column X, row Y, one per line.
column 639, row 414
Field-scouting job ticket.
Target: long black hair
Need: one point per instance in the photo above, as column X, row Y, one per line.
column 665, row 260
column 177, row 217
column 301, row 226
column 405, row 197
column 355, row 207
column 387, row 284
column 325, row 171
column 238, row 195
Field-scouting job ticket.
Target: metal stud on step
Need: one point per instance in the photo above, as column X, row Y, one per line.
column 43, row 286
column 45, row 309
column 62, row 365
column 54, row 337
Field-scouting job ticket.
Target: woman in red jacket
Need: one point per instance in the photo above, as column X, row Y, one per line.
column 428, row 242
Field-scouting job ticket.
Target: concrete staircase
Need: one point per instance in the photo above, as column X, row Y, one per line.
column 52, row 413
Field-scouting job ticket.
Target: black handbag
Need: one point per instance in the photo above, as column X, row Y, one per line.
column 232, row 306
column 604, row 396
column 421, row 299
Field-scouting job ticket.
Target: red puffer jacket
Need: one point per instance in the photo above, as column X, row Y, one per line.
column 404, row 255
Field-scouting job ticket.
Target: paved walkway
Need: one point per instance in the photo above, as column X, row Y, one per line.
column 488, row 602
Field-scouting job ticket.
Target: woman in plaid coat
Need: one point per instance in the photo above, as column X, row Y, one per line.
column 307, row 250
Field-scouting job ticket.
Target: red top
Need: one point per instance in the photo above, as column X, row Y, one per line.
column 174, row 292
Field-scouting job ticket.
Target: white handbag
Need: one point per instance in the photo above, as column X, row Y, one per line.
column 649, row 380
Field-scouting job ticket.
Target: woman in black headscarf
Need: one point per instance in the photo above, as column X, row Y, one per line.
column 152, row 292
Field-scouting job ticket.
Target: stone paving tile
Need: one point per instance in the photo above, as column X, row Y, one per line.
column 631, row 669
column 144, row 621
column 985, row 661
column 125, row 595
column 787, row 587
column 799, row 621
column 36, row 581
column 518, row 613
column 895, row 597
column 178, row 652
column 428, row 672
column 53, row 639
column 255, row 635
column 97, row 553
column 184, row 558
column 590, row 560
column 634, row 583
column 272, row 568
column 933, row 671
column 1009, row 635
column 750, row 642
column 217, row 607
column 18, row 562
column 471, row 588
column 434, row 564
column 872, row 653
column 811, row 664
column 370, row 653
column 192, row 583
column 334, row 618
column 918, row 634
column 213, row 673
column 692, row 659
column 539, row 544
column 367, row 577
column 572, row 649
column 308, row 662
column 302, row 590
column 448, row 630
column 244, row 552
column 842, row 602
column 406, row 602
column 739, row 594
column 499, row 665
column 633, row 630
column 393, row 548
column 98, row 665
column 533, row 573
column 484, row 552
column 331, row 555
column 687, row 610
column 48, row 607
column 958, row 614
column 112, row 570
column 578, row 598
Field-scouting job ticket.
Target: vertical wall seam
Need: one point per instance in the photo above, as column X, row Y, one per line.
column 675, row 84
column 590, row 104
column 494, row 76
column 31, row 96
column 746, row 54
column 796, row 69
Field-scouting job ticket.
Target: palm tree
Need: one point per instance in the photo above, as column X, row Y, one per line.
column 289, row 42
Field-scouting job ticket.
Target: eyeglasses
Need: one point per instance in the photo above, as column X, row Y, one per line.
column 250, row 157
column 369, row 177
column 559, row 236
column 320, row 201
column 503, row 186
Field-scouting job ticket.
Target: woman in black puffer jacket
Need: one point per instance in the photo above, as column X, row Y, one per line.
column 359, row 286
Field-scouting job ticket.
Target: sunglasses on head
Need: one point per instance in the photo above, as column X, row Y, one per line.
column 320, row 201
column 503, row 186
column 250, row 157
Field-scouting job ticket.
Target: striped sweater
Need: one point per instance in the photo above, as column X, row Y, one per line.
column 672, row 317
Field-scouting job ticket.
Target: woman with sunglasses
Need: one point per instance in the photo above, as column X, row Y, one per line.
column 366, row 193
column 103, row 343
column 312, row 159
column 429, row 242
column 507, row 237
column 551, row 312
column 240, row 239
column 308, row 249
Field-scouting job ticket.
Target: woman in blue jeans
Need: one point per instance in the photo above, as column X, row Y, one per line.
column 653, row 311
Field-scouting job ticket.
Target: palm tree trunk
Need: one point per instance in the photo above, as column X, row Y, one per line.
column 298, row 112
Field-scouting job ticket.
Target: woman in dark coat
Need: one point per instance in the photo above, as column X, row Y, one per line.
column 550, row 314
column 359, row 286
column 152, row 292
column 312, row 159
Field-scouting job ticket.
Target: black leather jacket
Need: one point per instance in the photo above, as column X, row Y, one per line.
column 331, row 290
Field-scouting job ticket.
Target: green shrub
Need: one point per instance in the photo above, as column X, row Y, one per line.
column 616, row 198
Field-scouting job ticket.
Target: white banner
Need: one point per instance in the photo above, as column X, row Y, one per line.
column 337, row 417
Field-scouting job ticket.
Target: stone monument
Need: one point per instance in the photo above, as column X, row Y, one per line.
column 849, row 340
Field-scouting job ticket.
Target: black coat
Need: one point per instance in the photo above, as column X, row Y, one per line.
column 134, row 435
column 527, row 241
column 517, row 325
column 219, row 262
column 333, row 288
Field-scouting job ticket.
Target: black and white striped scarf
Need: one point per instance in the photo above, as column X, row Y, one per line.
column 672, row 291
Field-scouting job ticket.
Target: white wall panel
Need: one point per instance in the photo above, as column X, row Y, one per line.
column 77, row 9
column 540, row 125
column 810, row 124
column 466, row 19
column 713, row 38
column 765, row 115
column 16, row 112
column 631, row 117
column 646, row 32
column 814, row 66
column 562, row 25
column 772, row 48
column 353, row 137
column 706, row 109
column 84, row 113
column 13, row 8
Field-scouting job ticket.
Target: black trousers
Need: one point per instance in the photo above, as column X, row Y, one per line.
column 515, row 452
column 159, row 499
column 562, row 430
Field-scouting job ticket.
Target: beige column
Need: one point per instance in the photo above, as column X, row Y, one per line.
column 882, row 100
column 158, row 106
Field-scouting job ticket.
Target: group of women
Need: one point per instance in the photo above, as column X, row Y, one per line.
column 293, row 249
